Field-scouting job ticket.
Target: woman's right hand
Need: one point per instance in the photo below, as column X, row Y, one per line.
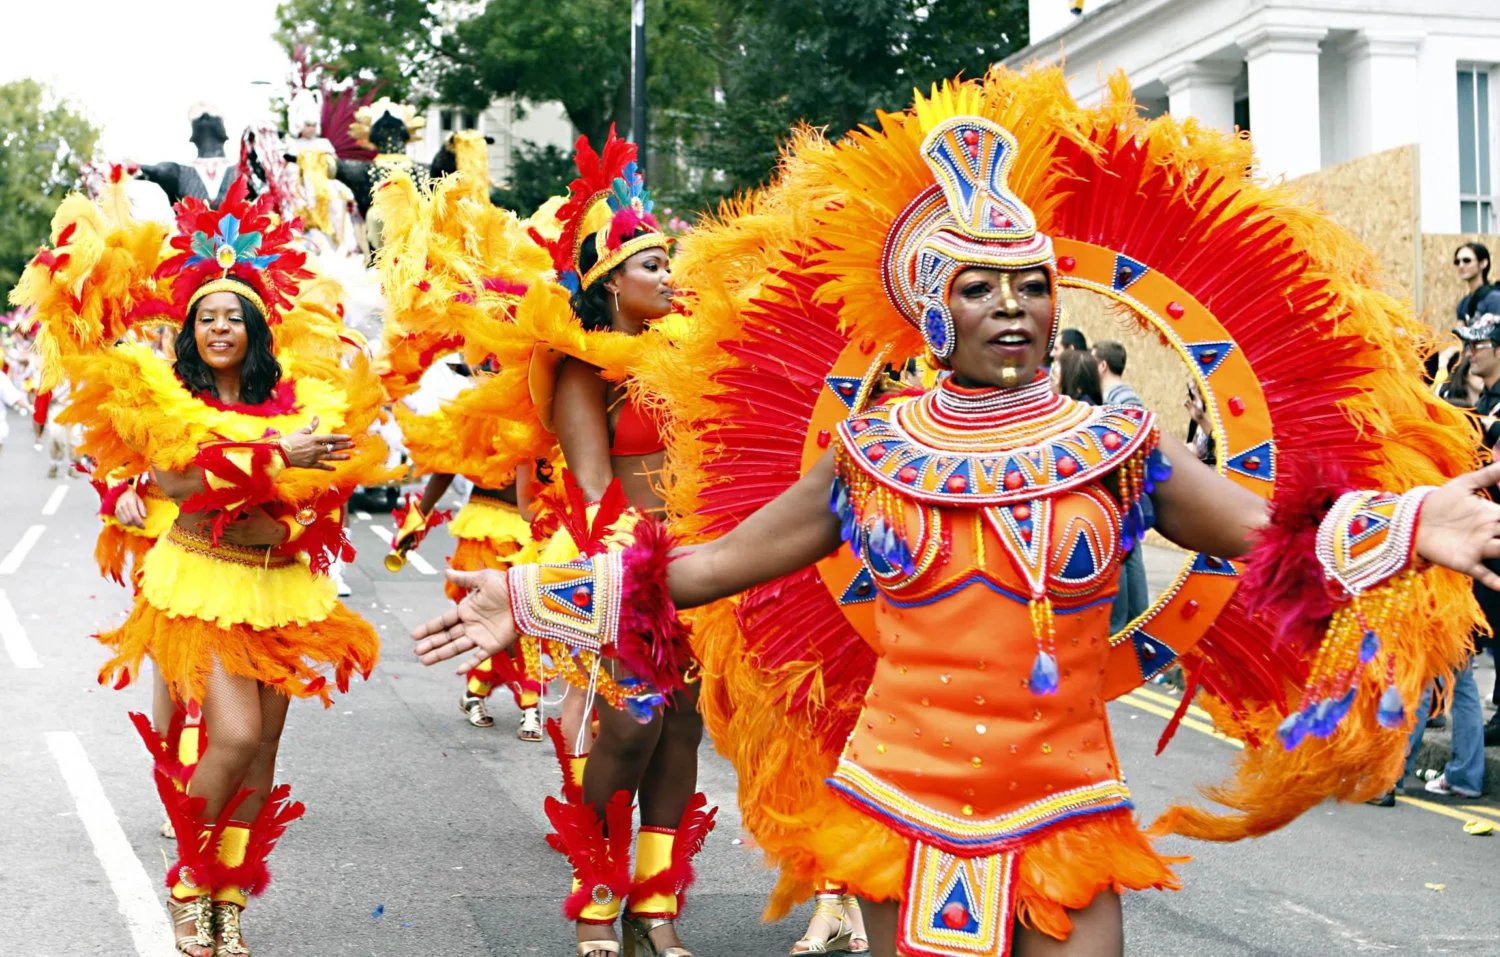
column 481, row 623
column 304, row 450
column 130, row 509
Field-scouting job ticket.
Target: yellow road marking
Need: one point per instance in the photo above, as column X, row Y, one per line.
column 1172, row 702
column 1456, row 813
column 1150, row 707
column 1493, row 812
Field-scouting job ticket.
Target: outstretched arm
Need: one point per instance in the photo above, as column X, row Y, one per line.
column 1202, row 510
column 792, row 531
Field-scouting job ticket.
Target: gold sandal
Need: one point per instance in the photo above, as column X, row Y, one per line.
column 828, row 917
column 227, row 924
column 586, row 947
column 197, row 914
column 859, row 938
column 638, row 935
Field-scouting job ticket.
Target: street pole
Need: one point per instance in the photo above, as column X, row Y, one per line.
column 638, row 80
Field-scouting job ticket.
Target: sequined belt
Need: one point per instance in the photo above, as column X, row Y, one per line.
column 254, row 556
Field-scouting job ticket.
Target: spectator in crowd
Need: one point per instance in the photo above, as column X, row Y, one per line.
column 1482, row 365
column 1472, row 261
column 1070, row 338
column 1076, row 375
column 1200, row 433
column 1132, row 599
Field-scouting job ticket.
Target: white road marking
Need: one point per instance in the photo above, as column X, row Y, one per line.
column 362, row 516
column 412, row 558
column 136, row 892
column 1349, row 934
column 17, row 645
column 18, row 553
column 55, row 500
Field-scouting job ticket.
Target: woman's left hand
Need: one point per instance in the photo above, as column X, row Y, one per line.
column 255, row 527
column 1460, row 526
column 481, row 622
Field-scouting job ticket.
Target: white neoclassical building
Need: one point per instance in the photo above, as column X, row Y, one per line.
column 1316, row 82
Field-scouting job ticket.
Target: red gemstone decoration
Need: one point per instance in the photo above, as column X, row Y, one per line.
column 908, row 474
column 859, row 425
column 847, row 388
column 1021, row 513
column 1236, row 405
column 1025, row 534
column 957, row 483
column 581, row 596
column 824, row 438
column 956, row 916
column 1208, row 356
column 1175, row 309
column 1066, row 263
column 875, row 452
column 1111, row 440
column 1014, row 480
column 1357, row 526
column 1066, row 467
column 971, row 137
column 1190, row 608
column 1252, row 463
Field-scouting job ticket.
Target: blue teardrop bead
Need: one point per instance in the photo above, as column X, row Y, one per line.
column 1391, row 713
column 1369, row 647
column 1043, row 678
column 1292, row 730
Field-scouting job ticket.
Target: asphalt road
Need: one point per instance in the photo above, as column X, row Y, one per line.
column 423, row 836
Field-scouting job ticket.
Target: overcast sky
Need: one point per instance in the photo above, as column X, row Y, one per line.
column 136, row 67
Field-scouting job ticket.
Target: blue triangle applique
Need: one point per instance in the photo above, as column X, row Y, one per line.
column 566, row 593
column 860, row 590
column 1208, row 356
column 1205, row 564
column 1153, row 654
column 845, row 387
column 1257, row 462
column 1127, row 271
column 958, row 894
column 1081, row 562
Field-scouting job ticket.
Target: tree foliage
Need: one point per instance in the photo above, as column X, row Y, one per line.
column 43, row 145
column 728, row 80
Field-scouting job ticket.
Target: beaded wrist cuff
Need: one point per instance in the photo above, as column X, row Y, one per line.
column 1365, row 545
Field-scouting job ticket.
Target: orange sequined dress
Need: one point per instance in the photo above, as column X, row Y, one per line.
column 992, row 525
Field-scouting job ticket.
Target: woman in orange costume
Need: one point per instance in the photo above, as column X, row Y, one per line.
column 976, row 799
column 233, row 608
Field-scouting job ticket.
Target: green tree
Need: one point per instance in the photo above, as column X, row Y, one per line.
column 537, row 173
column 43, row 145
column 400, row 43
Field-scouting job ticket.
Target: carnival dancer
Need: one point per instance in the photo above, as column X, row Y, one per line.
column 454, row 264
column 232, row 607
column 973, row 794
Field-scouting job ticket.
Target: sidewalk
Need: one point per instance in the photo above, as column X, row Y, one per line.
column 1161, row 568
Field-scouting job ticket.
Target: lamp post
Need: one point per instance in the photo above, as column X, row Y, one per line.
column 638, row 79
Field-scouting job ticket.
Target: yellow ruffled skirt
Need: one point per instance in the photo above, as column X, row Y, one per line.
column 258, row 615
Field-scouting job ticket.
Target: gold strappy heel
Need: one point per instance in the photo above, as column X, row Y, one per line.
column 227, row 923
column 859, row 938
column 586, row 947
column 197, row 914
column 638, row 935
column 836, row 930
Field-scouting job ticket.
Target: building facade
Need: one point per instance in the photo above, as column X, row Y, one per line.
column 506, row 121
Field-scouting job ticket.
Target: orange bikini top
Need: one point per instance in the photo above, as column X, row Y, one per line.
column 636, row 432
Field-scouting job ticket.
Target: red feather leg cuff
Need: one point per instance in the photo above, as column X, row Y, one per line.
column 598, row 851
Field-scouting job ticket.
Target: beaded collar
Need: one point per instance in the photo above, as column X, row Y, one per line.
column 969, row 447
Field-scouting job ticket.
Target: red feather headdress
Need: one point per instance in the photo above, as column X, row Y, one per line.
column 241, row 247
column 609, row 207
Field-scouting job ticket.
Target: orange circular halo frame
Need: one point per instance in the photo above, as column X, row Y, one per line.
column 1180, row 616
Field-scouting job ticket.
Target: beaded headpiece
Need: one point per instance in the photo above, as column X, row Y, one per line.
column 969, row 217
column 608, row 209
column 240, row 247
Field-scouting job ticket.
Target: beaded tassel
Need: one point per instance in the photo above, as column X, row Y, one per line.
column 1350, row 644
column 1043, row 678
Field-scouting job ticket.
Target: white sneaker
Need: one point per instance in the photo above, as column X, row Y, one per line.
column 340, row 584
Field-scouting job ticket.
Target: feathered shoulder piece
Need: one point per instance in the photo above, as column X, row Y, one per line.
column 96, row 281
column 451, row 264
column 607, row 218
column 240, row 247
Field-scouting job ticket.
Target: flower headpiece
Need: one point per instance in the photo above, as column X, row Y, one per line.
column 609, row 209
column 240, row 247
column 969, row 217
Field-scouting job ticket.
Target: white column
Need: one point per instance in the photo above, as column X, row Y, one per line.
column 1284, row 124
column 1383, row 90
column 1204, row 90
